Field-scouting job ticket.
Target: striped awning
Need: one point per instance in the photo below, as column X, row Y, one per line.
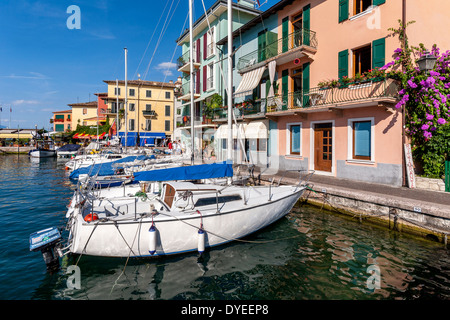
column 249, row 82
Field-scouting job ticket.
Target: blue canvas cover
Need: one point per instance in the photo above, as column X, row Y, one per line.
column 70, row 147
column 203, row 171
column 105, row 169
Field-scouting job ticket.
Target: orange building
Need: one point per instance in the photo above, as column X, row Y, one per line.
column 62, row 121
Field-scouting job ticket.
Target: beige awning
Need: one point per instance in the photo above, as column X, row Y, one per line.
column 249, row 82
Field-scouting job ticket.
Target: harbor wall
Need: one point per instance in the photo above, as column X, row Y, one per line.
column 425, row 219
column 15, row 150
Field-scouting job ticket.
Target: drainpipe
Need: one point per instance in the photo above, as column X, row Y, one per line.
column 403, row 107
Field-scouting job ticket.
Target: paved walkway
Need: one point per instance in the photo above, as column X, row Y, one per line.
column 426, row 196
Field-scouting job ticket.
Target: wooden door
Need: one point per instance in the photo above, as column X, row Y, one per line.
column 169, row 195
column 323, row 147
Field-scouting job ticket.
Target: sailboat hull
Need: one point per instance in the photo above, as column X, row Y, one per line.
column 178, row 233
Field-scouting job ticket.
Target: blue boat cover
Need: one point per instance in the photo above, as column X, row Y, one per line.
column 70, row 147
column 203, row 171
column 106, row 169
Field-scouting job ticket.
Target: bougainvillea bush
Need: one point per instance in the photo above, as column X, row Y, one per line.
column 425, row 97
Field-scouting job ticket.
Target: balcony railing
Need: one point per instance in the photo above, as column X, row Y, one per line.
column 350, row 93
column 185, row 59
column 315, row 97
column 186, row 91
column 149, row 113
column 242, row 110
column 297, row 39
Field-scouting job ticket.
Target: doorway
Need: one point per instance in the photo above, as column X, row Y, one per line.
column 323, row 146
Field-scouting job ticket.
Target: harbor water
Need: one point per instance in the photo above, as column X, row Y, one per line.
column 308, row 255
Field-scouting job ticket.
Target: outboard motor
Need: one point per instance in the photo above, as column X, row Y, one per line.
column 48, row 241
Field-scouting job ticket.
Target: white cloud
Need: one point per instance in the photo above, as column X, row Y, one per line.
column 166, row 66
column 22, row 102
column 31, row 75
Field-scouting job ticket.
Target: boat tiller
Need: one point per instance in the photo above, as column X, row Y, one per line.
column 47, row 241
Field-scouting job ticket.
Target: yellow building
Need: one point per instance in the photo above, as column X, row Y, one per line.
column 84, row 114
column 150, row 106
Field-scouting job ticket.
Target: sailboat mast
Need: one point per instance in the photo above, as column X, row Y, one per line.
column 191, row 62
column 117, row 108
column 230, row 80
column 126, row 99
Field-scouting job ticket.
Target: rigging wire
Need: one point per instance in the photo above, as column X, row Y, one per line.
column 163, row 31
column 148, row 44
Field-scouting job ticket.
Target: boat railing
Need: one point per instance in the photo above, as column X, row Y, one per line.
column 304, row 176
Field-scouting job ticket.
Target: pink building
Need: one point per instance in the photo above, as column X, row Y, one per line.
column 354, row 131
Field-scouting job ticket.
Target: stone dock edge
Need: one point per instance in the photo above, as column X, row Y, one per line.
column 415, row 217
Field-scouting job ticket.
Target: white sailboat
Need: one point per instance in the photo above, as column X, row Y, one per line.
column 186, row 217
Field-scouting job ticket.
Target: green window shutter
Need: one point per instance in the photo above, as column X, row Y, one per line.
column 306, row 24
column 343, row 64
column 285, row 34
column 378, row 53
column 343, row 10
column 59, row 128
column 378, row 2
column 262, row 44
column 285, row 87
column 305, row 83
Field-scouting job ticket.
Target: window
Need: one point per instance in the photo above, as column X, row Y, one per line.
column 361, row 5
column 148, row 125
column 59, row 127
column 293, row 138
column 167, row 111
column 361, row 139
column 131, row 92
column 117, row 91
column 148, row 93
column 84, row 111
column 148, row 107
column 211, row 43
column 362, row 60
column 131, row 125
column 210, row 76
column 167, row 125
column 168, row 95
column 131, row 107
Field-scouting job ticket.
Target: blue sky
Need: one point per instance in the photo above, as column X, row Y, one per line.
column 44, row 65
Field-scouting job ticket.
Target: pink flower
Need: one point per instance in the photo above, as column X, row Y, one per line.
column 425, row 127
column 427, row 135
column 441, row 121
column 430, row 117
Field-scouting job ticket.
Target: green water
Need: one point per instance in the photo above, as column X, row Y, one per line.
column 309, row 255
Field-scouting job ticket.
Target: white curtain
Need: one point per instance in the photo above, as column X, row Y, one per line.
column 272, row 66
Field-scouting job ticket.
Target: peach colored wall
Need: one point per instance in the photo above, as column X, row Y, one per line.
column 432, row 23
column 334, row 37
column 388, row 137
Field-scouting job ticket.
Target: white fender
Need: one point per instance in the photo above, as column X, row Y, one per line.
column 201, row 241
column 152, row 240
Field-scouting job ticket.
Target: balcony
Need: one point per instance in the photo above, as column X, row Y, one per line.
column 300, row 43
column 184, row 63
column 322, row 99
column 111, row 111
column 246, row 110
column 185, row 93
column 149, row 113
